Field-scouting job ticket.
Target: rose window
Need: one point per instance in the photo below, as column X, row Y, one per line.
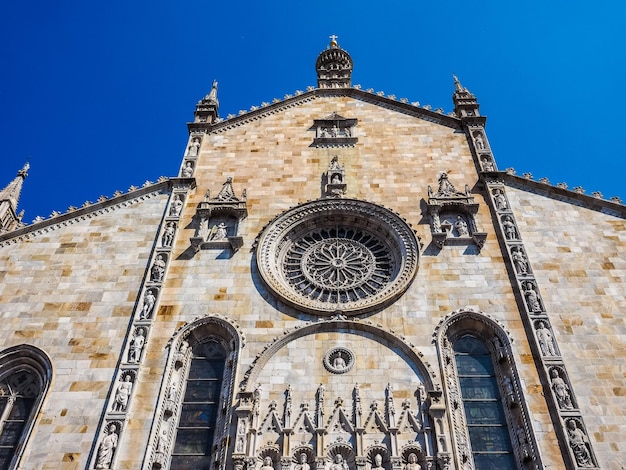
column 337, row 255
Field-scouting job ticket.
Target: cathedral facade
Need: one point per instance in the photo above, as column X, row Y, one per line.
column 339, row 280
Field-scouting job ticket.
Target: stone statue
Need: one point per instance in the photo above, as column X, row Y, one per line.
column 136, row 346
column 122, row 394
column 193, row 148
column 339, row 362
column 412, row 463
column 561, row 391
column 339, row 463
column 480, row 143
column 176, row 207
column 187, row 171
column 378, row 462
column 158, row 269
column 107, row 449
column 510, row 391
column 148, row 304
column 168, row 234
column 500, row 201
column 461, row 227
column 219, row 232
column 487, row 164
column 302, row 465
column 532, row 299
column 546, row 341
column 510, row 232
column 267, row 464
column 520, row 261
column 336, row 179
column 578, row 443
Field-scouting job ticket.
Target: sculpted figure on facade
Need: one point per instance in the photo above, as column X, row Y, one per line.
column 302, row 463
column 136, row 346
column 267, row 464
column 546, row 340
column 500, row 200
column 218, row 232
column 412, row 463
column 158, row 269
column 461, row 227
column 168, row 234
column 532, row 298
column 187, row 171
column 339, row 463
column 487, row 163
column 480, row 142
column 107, row 449
column 378, row 462
column 194, row 146
column 578, row 442
column 561, row 390
column 122, row 394
column 176, row 207
column 510, row 231
column 149, row 300
column 520, row 261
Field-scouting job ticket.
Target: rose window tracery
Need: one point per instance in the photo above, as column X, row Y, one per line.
column 341, row 255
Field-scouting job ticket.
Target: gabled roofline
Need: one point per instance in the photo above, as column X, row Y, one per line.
column 82, row 213
column 570, row 196
column 302, row 97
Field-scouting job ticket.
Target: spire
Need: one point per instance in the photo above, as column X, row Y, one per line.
column 334, row 66
column 9, row 197
column 465, row 103
column 207, row 107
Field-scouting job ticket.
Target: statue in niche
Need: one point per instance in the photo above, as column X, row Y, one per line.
column 412, row 463
column 218, row 232
column 176, row 207
column 194, row 146
column 510, row 231
column 578, row 443
column 519, row 260
column 148, row 304
column 480, row 142
column 500, row 200
column 546, row 341
column 339, row 362
column 187, row 170
column 561, row 390
column 107, row 449
column 168, row 234
column 267, row 464
column 445, row 187
column 122, row 394
column 302, row 463
column 461, row 227
column 487, row 163
column 336, row 179
column 532, row 299
column 339, row 463
column 510, row 391
column 378, row 462
column 158, row 269
column 136, row 346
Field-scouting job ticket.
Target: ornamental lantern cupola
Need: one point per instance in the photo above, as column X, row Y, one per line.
column 334, row 67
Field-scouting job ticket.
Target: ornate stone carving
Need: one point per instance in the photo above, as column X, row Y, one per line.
column 545, row 339
column 336, row 179
column 452, row 215
column 194, row 147
column 136, row 346
column 217, row 219
column 187, row 170
column 176, row 207
column 500, row 200
column 334, row 130
column 579, row 443
column 314, row 261
column 510, row 230
column 561, row 389
column 487, row 163
column 479, row 140
column 149, row 299
column 520, row 261
column 122, row 392
column 411, row 463
column 107, row 447
column 532, row 297
column 167, row 238
column 338, row 360
column 157, row 271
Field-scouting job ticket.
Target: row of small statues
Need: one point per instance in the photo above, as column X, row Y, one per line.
column 339, row 463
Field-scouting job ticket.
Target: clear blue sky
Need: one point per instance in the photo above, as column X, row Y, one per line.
column 97, row 94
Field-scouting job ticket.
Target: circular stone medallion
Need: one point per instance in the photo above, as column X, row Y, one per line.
column 338, row 255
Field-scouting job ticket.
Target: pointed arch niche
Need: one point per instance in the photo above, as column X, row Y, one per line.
column 25, row 376
column 376, row 398
column 192, row 421
column 482, row 388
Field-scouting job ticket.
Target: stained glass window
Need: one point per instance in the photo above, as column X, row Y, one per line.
column 196, row 426
column 488, row 432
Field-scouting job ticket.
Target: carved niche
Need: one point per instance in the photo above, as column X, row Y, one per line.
column 452, row 215
column 334, row 130
column 217, row 220
column 335, row 179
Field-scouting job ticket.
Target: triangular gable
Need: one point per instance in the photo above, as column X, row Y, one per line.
column 408, row 423
column 304, row 423
column 271, row 422
column 375, row 423
column 339, row 422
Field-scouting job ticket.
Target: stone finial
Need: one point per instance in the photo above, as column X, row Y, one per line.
column 334, row 66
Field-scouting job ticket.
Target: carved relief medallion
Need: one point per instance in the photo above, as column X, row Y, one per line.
column 338, row 255
column 338, row 360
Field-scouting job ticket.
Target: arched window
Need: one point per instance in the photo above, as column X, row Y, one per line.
column 25, row 375
column 200, row 406
column 482, row 403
